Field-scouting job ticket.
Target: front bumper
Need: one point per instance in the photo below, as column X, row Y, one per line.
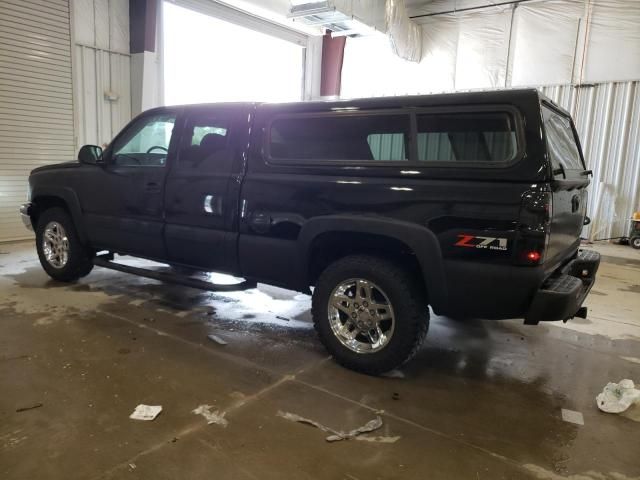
column 562, row 294
column 25, row 214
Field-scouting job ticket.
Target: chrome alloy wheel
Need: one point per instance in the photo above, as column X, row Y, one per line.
column 55, row 245
column 361, row 315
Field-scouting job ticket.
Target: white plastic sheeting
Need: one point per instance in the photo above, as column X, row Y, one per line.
column 550, row 42
column 481, row 64
column 607, row 118
column 101, row 69
column 613, row 45
column 405, row 35
column 543, row 43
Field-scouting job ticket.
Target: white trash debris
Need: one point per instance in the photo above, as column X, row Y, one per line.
column 336, row 436
column 617, row 397
column 146, row 412
column 216, row 416
column 217, row 339
column 572, row 416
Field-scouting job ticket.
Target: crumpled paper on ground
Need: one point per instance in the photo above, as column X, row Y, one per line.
column 146, row 412
column 617, row 397
column 336, row 436
column 216, row 416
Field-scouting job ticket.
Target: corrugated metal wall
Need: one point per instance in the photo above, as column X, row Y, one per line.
column 103, row 99
column 607, row 116
column 36, row 104
column 101, row 69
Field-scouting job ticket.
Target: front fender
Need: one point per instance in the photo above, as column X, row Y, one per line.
column 69, row 197
column 420, row 240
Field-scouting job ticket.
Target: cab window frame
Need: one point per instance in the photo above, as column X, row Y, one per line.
column 189, row 121
column 176, row 134
column 412, row 112
column 558, row 111
column 270, row 159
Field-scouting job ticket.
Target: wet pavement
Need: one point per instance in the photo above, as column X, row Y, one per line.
column 482, row 400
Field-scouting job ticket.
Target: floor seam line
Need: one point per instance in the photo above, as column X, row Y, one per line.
column 507, row 460
column 284, row 378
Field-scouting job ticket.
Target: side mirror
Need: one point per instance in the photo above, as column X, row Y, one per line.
column 90, row 154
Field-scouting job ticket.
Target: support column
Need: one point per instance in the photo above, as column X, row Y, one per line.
column 146, row 62
column 332, row 57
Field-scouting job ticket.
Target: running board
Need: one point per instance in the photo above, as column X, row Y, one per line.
column 105, row 261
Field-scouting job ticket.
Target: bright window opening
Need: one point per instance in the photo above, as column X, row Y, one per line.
column 210, row 60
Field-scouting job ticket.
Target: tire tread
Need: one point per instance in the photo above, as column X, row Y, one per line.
column 416, row 313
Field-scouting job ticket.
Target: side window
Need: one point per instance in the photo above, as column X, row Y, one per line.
column 205, row 145
column 145, row 143
column 561, row 141
column 373, row 137
column 488, row 137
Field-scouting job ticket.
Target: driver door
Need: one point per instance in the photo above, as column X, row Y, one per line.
column 123, row 198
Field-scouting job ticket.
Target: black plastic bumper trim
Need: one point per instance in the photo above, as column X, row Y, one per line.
column 562, row 295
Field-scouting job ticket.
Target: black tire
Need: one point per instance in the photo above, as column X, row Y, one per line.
column 635, row 242
column 79, row 262
column 406, row 296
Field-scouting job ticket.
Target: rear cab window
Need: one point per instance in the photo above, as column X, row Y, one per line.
column 478, row 138
column 562, row 144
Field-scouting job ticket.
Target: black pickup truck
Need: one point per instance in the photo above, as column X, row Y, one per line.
column 470, row 203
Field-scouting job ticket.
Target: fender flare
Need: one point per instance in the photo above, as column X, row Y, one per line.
column 69, row 197
column 422, row 241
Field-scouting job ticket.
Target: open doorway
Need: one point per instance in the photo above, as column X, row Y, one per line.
column 211, row 60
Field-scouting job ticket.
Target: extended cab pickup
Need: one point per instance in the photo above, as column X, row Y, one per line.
column 472, row 204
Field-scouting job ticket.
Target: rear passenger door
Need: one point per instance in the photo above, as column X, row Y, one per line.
column 202, row 189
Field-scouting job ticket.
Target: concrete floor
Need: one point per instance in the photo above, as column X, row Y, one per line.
column 482, row 400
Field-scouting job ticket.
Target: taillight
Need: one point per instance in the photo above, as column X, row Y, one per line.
column 534, row 229
column 534, row 256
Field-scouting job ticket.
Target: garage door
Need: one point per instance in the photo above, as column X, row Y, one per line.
column 36, row 109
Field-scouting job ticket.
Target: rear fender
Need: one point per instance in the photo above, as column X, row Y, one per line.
column 422, row 242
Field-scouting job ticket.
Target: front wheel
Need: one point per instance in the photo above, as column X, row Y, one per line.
column 370, row 314
column 60, row 251
column 635, row 242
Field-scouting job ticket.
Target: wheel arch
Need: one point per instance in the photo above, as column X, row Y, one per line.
column 47, row 197
column 387, row 235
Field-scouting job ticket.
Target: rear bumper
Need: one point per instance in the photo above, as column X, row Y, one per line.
column 25, row 214
column 562, row 294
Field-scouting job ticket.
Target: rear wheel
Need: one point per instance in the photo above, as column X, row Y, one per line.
column 60, row 251
column 370, row 314
column 635, row 242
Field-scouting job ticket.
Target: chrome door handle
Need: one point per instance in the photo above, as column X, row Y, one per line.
column 212, row 204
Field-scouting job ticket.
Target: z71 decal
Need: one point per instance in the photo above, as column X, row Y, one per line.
column 489, row 243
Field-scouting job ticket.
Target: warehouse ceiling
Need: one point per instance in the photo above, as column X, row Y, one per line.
column 415, row 8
